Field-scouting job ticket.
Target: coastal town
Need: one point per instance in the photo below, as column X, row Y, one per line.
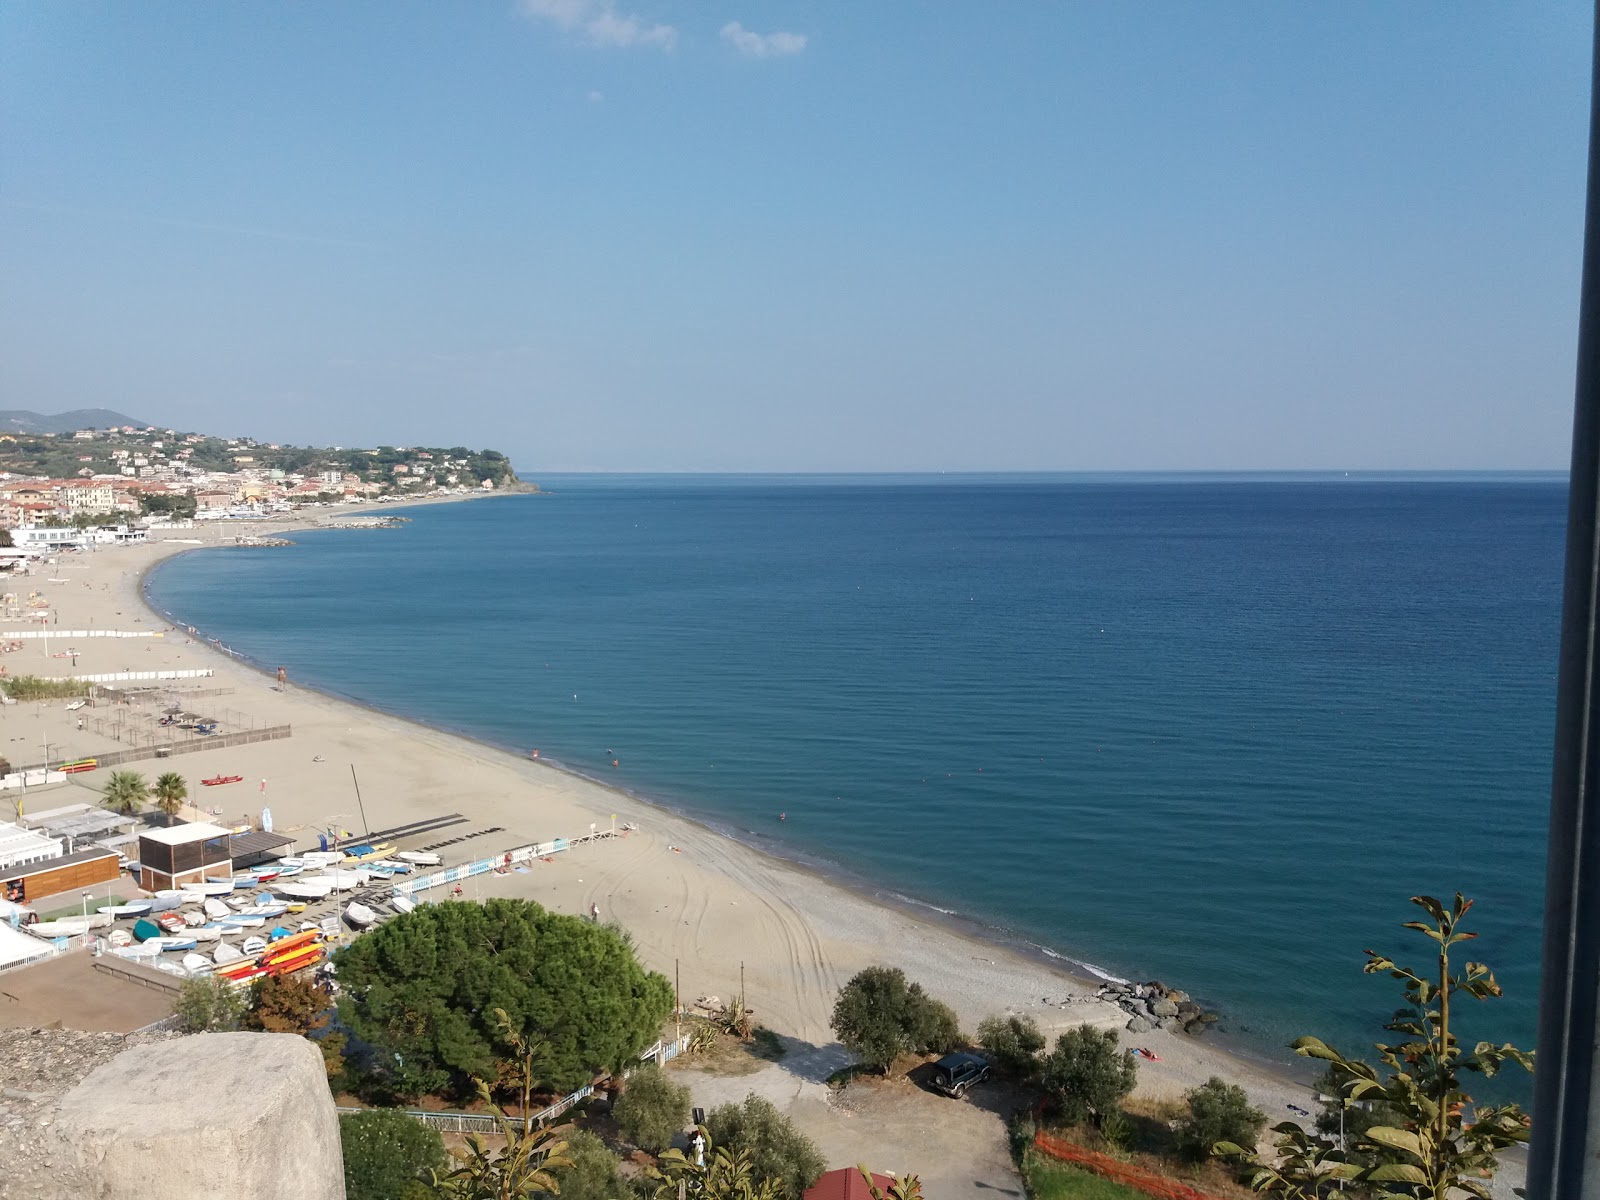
column 122, row 473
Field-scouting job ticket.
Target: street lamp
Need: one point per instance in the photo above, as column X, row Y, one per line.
column 86, row 897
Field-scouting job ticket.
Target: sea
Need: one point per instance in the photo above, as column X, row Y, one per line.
column 1214, row 730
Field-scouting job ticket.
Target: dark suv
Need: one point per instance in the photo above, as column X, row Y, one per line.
column 955, row 1073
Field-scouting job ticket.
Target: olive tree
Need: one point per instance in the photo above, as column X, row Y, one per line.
column 1218, row 1112
column 1014, row 1042
column 1088, row 1073
column 879, row 1015
column 651, row 1108
column 777, row 1149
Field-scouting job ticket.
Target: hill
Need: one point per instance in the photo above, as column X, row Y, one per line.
column 20, row 420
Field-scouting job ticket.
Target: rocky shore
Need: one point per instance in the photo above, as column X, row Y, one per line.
column 1154, row 1005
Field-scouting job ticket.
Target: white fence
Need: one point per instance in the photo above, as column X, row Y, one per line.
column 19, row 634
column 459, row 1122
column 510, row 858
column 131, row 676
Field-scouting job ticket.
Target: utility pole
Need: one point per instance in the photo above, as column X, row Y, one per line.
column 367, row 829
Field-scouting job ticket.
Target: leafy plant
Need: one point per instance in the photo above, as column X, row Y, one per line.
column 777, row 1149
column 388, row 1155
column 879, row 1016
column 905, row 1187
column 651, row 1109
column 1429, row 1149
column 531, row 1155
column 125, row 792
column 724, row 1175
column 208, row 1005
column 1117, row 1130
column 1088, row 1074
column 1218, row 1112
column 1014, row 1043
column 593, row 1174
column 421, row 991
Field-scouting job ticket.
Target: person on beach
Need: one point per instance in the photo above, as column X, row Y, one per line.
column 594, row 913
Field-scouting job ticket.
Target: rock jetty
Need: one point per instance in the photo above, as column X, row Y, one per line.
column 1154, row 1005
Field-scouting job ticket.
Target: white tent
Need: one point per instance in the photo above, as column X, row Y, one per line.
column 17, row 947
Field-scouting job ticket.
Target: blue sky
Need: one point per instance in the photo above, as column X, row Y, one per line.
column 834, row 236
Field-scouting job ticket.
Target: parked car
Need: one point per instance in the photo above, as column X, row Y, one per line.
column 955, row 1073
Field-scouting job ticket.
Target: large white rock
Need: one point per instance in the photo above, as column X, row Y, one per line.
column 217, row 1116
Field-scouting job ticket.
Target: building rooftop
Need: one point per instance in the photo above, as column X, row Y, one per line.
column 18, row 843
column 45, row 816
column 84, row 824
column 51, row 864
column 182, row 835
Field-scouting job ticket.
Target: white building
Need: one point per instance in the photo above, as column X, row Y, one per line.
column 45, row 538
column 19, row 846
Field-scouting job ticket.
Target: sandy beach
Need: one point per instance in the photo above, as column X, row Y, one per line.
column 696, row 902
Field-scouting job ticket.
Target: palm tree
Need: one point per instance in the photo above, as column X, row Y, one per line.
column 126, row 792
column 170, row 792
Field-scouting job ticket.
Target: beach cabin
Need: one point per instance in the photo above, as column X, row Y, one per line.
column 92, row 867
column 180, row 854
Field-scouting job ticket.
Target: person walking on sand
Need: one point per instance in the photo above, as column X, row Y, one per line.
column 594, row 913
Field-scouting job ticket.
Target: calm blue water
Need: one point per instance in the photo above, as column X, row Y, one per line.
column 1210, row 731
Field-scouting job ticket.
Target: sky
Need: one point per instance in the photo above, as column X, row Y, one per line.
column 648, row 235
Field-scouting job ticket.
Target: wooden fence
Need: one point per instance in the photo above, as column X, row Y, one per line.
column 215, row 741
column 1127, row 1174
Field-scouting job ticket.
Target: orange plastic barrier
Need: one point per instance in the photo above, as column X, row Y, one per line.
column 1137, row 1178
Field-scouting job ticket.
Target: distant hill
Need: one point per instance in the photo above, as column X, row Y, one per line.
column 17, row 420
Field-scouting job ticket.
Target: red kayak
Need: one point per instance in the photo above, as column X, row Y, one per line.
column 216, row 779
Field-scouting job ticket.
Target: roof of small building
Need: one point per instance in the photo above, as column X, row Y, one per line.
column 245, row 844
column 182, row 835
column 846, row 1184
column 51, row 864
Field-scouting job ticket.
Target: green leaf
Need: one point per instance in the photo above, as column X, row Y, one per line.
column 1312, row 1047
column 1397, row 1173
column 1402, row 1140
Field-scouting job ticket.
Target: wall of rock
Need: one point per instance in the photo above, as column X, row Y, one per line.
column 219, row 1116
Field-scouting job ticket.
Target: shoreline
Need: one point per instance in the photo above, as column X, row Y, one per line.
column 981, row 933
column 1082, row 977
column 692, row 894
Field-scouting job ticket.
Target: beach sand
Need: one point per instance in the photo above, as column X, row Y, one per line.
column 697, row 903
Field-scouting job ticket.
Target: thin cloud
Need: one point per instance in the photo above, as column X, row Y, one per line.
column 762, row 45
column 600, row 24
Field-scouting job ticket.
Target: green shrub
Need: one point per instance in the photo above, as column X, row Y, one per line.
column 1088, row 1073
column 1014, row 1042
column 388, row 1155
column 593, row 1174
column 878, row 1016
column 651, row 1108
column 1218, row 1112
column 208, row 1005
column 777, row 1149
column 31, row 687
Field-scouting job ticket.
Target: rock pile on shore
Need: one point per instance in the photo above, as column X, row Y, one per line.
column 1154, row 1005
